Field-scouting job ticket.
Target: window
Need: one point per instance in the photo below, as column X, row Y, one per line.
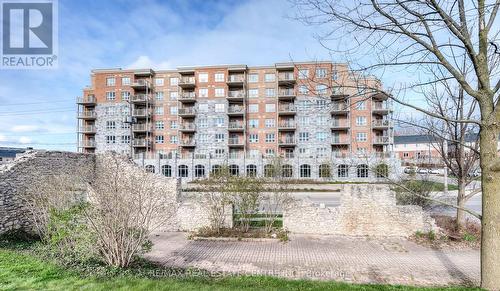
column 361, row 120
column 159, row 139
column 203, row 77
column 150, row 168
column 253, row 108
column 234, row 170
column 110, row 139
column 270, row 123
column 305, row 171
column 253, row 93
column 199, row 171
column 159, row 125
column 406, row 154
column 220, row 137
column 159, row 81
column 125, row 139
column 183, row 171
column 159, row 96
column 320, row 73
column 321, row 136
column 173, row 110
column 216, row 169
column 270, row 107
column 111, row 81
column 220, row 153
column 125, row 125
column 219, row 77
column 125, row 81
column 362, row 171
column 321, row 89
column 202, row 138
column 322, row 120
column 253, row 78
column 173, row 124
column 361, row 105
column 110, row 96
column 174, row 139
column 251, row 170
column 303, row 73
column 304, row 120
column 321, row 152
column 361, row 136
column 203, row 107
column 125, row 95
column 253, row 123
column 219, row 121
column 219, row 92
column 220, row 107
column 303, row 136
column 174, row 95
column 254, row 153
column 203, row 92
column 382, row 171
column 270, row 137
column 203, row 123
column 166, row 170
column 270, row 77
column 269, row 171
column 253, row 138
column 110, row 111
column 303, row 89
column 324, row 171
column 110, row 124
column 270, row 92
column 343, row 171
column 270, row 152
column 159, row 110
column 287, row 171
column 174, row 81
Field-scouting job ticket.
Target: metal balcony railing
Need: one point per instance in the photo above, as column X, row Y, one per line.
column 141, row 112
column 235, row 125
column 188, row 142
column 234, row 141
column 140, row 83
column 287, row 140
column 187, row 110
column 188, row 126
column 187, row 81
column 382, row 123
column 382, row 140
column 141, row 127
column 88, row 129
column 287, row 124
column 236, row 94
column 286, row 77
column 87, row 114
column 286, row 92
column 340, row 140
column 90, row 99
column 88, row 144
column 286, row 108
column 140, row 98
column 340, row 106
column 381, row 106
column 141, row 142
column 237, row 78
column 235, row 109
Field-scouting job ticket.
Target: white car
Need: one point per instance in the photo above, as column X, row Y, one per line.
column 423, row 171
column 434, row 171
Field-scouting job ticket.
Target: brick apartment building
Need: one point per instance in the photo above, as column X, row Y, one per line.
column 189, row 121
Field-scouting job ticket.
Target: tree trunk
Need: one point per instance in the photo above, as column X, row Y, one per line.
column 460, row 224
column 490, row 238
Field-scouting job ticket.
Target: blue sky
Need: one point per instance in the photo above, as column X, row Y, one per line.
column 158, row 34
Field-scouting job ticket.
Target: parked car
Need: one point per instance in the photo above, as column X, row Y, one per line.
column 434, row 171
column 410, row 170
column 423, row 171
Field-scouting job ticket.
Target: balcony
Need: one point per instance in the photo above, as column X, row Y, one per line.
column 383, row 155
column 141, row 127
column 236, row 155
column 287, row 125
column 187, row 97
column 339, row 155
column 187, row 127
column 87, row 100
column 187, row 82
column 236, row 80
column 286, row 109
column 341, row 125
column 382, row 124
column 187, row 112
column 341, row 108
column 88, row 144
column 288, row 141
column 87, row 115
column 145, row 72
column 381, row 108
column 382, row 140
column 287, row 78
column 337, row 140
column 87, row 129
column 235, row 95
column 236, row 110
column 286, row 94
column 141, row 112
column 338, row 94
column 140, row 84
column 141, row 142
column 235, row 142
column 235, row 126
column 188, row 143
column 140, row 98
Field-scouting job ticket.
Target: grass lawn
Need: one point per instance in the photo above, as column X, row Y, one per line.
column 19, row 270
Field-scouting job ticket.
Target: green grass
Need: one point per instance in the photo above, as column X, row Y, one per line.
column 431, row 185
column 19, row 270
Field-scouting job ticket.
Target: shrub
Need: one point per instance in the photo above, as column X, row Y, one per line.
column 414, row 193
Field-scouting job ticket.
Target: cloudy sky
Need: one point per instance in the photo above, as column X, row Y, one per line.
column 37, row 107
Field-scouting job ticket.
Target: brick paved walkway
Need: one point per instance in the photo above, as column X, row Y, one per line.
column 362, row 260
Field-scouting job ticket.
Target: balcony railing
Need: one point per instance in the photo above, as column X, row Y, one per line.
column 381, row 106
column 286, row 140
column 141, row 112
column 140, row 98
column 235, row 141
column 340, row 140
column 286, row 108
column 236, row 155
column 88, row 129
column 235, row 109
column 336, row 106
column 87, row 114
column 382, row 123
column 141, row 127
column 187, row 126
column 88, row 144
column 140, row 83
column 286, row 93
column 90, row 99
column 188, row 142
column 239, row 78
column 340, row 124
column 286, row 77
column 287, row 124
column 236, row 94
column 382, row 140
column 187, row 81
column 235, row 125
column 187, row 111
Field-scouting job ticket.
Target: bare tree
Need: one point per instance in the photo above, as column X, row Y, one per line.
column 414, row 35
column 246, row 194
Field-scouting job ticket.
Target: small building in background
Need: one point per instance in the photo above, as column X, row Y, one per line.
column 8, row 154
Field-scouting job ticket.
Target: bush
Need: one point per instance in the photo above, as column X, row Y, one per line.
column 414, row 193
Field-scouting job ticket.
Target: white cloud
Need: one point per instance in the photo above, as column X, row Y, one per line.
column 25, row 128
column 24, row 140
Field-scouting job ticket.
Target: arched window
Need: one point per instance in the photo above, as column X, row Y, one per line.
column 305, row 171
column 251, row 170
column 382, row 171
column 183, row 171
column 199, row 171
column 343, row 171
column 150, row 168
column 269, row 171
column 166, row 170
column 287, row 171
column 362, row 171
column 325, row 171
column 234, row 170
column 215, row 170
